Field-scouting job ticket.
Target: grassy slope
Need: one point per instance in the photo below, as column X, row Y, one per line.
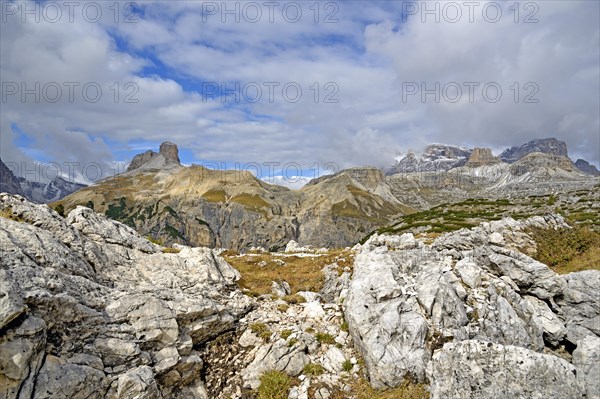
column 578, row 207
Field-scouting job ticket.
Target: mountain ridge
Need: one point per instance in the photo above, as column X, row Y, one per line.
column 233, row 209
column 38, row 192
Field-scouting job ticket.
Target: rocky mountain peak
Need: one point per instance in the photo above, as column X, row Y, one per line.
column 586, row 167
column 9, row 183
column 168, row 154
column 436, row 157
column 542, row 161
column 550, row 146
column 447, row 151
column 170, row 151
column 482, row 156
column 369, row 177
column 36, row 191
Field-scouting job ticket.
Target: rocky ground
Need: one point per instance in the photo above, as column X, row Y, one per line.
column 90, row 309
column 473, row 316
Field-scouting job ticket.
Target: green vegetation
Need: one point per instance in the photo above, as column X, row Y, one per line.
column 286, row 333
column 7, row 213
column 313, row 369
column 294, row 299
column 408, row 390
column 568, row 250
column 292, row 342
column 156, row 241
column 325, row 338
column 117, row 211
column 301, row 273
column 214, row 196
column 347, row 209
column 262, row 330
column 471, row 212
column 344, row 326
column 273, row 385
column 283, row 307
column 60, row 209
column 173, row 232
column 202, row 222
column 171, row 250
column 347, row 365
column 253, row 202
column 171, row 211
column 90, row 205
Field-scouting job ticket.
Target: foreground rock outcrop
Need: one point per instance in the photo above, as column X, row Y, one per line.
column 90, row 309
column 472, row 316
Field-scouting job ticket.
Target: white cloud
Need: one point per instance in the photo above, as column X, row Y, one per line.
column 292, row 182
column 368, row 55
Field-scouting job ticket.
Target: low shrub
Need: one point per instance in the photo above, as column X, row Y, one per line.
column 273, row 385
column 313, row 369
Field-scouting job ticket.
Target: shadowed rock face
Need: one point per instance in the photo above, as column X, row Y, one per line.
column 170, row 151
column 39, row 192
column 8, row 182
column 435, row 158
column 587, row 168
column 550, row 146
column 141, row 159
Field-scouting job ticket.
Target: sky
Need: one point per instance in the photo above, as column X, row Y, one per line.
column 298, row 89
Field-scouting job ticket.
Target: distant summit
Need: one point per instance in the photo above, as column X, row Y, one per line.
column 436, row 157
column 39, row 192
column 445, row 157
column 9, row 183
column 549, row 146
column 167, row 155
column 482, row 156
column 586, row 167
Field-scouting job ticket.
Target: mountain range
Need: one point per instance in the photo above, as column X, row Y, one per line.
column 50, row 191
column 194, row 205
column 197, row 206
column 443, row 157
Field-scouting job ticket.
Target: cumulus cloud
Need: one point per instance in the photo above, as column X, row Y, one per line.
column 169, row 61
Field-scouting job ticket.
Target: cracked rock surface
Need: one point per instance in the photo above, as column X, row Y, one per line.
column 90, row 309
column 472, row 316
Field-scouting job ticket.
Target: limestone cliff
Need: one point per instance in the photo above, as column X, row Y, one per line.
column 480, row 157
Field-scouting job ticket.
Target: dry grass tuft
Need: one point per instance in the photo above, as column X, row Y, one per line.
column 301, row 273
column 171, row 250
column 408, row 390
column 568, row 250
column 274, row 385
column 7, row 213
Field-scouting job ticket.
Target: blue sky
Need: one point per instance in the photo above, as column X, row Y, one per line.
column 172, row 56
